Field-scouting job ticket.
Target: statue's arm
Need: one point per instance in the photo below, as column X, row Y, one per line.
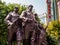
column 23, row 15
column 7, row 19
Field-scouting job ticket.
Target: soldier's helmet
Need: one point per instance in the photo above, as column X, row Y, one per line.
column 35, row 14
column 16, row 8
column 30, row 6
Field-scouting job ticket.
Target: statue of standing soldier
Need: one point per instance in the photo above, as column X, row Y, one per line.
column 28, row 24
column 14, row 32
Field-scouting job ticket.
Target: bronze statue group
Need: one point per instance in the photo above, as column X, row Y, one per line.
column 25, row 28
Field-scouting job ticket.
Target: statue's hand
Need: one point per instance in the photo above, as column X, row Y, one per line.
column 10, row 23
column 30, row 20
column 25, row 19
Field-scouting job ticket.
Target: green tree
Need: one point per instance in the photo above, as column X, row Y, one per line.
column 53, row 32
column 4, row 10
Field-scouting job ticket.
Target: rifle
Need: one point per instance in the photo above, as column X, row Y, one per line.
column 17, row 23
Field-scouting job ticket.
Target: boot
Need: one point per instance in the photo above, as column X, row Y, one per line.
column 25, row 42
column 32, row 42
column 19, row 42
column 9, row 42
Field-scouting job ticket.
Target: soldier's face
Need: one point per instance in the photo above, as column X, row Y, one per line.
column 30, row 8
column 16, row 10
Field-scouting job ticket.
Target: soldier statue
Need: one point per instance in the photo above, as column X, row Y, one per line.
column 28, row 25
column 14, row 31
column 40, row 35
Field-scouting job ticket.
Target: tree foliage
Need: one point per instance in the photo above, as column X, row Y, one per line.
column 4, row 10
column 53, row 32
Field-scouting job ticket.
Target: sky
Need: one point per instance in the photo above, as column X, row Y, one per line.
column 39, row 5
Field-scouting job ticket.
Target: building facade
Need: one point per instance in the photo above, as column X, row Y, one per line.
column 48, row 10
column 54, row 10
column 58, row 9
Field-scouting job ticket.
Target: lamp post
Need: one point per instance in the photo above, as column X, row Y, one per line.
column 55, row 9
